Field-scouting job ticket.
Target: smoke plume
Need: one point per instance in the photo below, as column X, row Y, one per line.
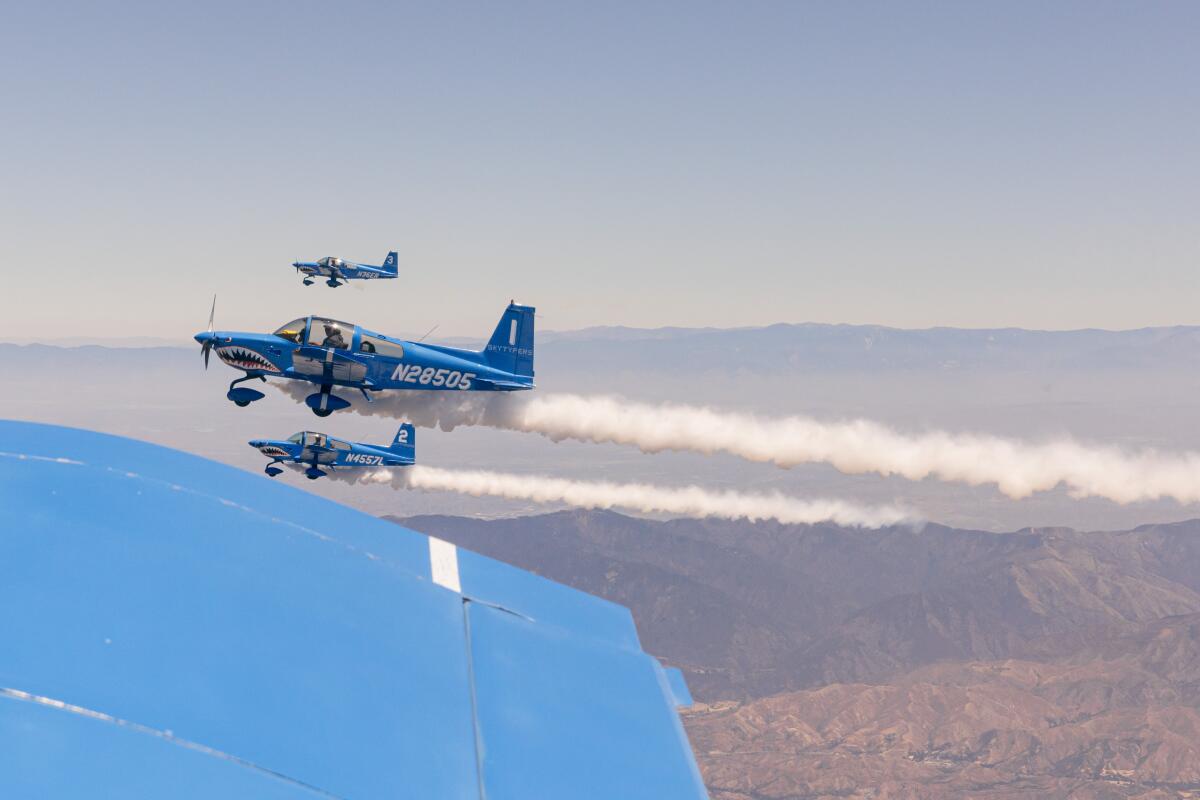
column 690, row 501
column 1017, row 468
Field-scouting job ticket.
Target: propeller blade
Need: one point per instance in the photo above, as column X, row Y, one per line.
column 207, row 346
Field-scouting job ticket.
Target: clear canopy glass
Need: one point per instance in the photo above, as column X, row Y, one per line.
column 293, row 331
column 330, row 333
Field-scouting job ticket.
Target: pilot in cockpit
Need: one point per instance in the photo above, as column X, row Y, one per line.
column 333, row 337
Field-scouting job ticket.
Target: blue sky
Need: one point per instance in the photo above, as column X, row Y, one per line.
column 917, row 164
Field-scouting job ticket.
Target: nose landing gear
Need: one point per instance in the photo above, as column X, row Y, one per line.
column 243, row 396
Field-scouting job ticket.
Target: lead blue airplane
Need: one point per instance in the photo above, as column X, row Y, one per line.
column 330, row 353
column 319, row 450
column 336, row 269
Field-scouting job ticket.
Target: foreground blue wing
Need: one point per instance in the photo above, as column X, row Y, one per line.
column 174, row 627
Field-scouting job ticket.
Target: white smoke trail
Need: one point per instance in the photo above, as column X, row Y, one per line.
column 690, row 501
column 1017, row 468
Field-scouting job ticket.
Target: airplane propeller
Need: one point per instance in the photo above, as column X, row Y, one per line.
column 207, row 346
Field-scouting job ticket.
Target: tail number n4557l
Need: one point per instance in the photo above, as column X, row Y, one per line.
column 428, row 376
column 363, row 458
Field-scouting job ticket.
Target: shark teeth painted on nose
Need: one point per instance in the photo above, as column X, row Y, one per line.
column 243, row 358
column 272, row 450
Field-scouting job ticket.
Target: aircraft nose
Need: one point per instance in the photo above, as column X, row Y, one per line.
column 256, row 443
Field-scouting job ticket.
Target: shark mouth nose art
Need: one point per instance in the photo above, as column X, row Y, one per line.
column 244, row 358
column 272, row 450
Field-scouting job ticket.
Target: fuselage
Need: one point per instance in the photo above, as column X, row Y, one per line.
column 318, row 449
column 338, row 268
column 329, row 352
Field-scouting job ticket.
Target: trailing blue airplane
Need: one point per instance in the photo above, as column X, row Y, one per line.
column 330, row 353
column 319, row 450
column 336, row 269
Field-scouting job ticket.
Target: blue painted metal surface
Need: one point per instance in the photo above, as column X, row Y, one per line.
column 332, row 354
column 175, row 627
column 338, row 270
column 321, row 452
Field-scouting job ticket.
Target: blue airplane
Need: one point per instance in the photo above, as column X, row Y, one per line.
column 336, row 269
column 319, row 450
column 330, row 353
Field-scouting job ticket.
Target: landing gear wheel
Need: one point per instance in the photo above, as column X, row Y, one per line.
column 240, row 395
column 323, row 403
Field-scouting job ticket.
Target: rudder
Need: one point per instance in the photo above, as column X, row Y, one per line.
column 391, row 263
column 511, row 346
column 405, row 443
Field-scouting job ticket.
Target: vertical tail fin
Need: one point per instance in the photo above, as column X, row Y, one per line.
column 405, row 443
column 511, row 346
column 390, row 264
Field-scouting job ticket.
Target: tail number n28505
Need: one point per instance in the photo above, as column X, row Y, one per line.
column 429, row 376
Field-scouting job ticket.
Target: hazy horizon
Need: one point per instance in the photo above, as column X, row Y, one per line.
column 185, row 341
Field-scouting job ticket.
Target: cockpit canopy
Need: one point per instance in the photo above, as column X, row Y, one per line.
column 331, row 261
column 322, row 332
column 330, row 333
column 293, row 331
column 313, row 439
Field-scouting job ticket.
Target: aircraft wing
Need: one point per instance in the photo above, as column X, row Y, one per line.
column 340, row 365
column 174, row 627
column 312, row 451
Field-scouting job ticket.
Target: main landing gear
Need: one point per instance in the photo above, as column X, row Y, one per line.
column 332, row 283
column 243, row 396
column 323, row 403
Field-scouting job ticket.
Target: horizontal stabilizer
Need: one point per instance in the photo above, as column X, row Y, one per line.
column 501, row 386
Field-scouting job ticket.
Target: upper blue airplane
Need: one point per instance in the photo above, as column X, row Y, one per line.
column 336, row 269
column 331, row 353
column 318, row 450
